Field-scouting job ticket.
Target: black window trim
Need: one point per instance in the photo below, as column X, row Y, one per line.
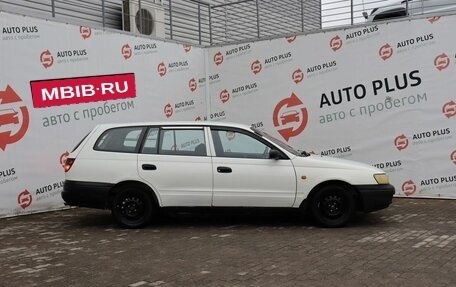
column 283, row 156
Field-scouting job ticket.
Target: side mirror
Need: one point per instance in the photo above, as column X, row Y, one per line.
column 274, row 154
column 365, row 15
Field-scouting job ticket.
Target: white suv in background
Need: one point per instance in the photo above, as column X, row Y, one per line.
column 134, row 169
column 399, row 8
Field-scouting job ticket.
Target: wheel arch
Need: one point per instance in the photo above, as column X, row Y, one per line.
column 305, row 202
column 139, row 184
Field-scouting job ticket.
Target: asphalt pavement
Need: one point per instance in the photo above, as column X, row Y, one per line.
column 411, row 243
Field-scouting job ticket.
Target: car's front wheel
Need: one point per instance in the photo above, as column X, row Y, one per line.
column 132, row 207
column 333, row 206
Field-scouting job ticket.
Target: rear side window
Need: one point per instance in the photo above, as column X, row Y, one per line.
column 124, row 139
column 182, row 142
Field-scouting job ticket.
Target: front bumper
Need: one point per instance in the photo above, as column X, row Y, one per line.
column 86, row 194
column 375, row 197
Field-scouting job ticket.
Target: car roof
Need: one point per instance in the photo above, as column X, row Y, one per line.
column 176, row 123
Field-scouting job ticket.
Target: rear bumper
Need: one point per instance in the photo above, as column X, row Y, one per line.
column 86, row 194
column 375, row 197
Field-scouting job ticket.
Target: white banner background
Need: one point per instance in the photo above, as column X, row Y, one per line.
column 33, row 162
column 283, row 86
column 407, row 128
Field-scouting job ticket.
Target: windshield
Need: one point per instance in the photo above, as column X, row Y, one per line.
column 280, row 143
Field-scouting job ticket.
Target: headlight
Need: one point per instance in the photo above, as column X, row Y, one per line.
column 381, row 178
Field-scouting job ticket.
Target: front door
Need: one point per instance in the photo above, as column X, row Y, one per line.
column 244, row 175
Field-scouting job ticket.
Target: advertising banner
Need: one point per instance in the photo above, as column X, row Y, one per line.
column 380, row 94
column 58, row 81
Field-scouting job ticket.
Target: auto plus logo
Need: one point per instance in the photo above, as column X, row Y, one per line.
column 85, row 32
column 63, row 57
column 390, row 166
column 434, row 184
column 49, row 191
column 427, row 137
column 277, row 60
column 215, row 78
column 161, row 69
column 385, row 52
column 175, row 66
column 256, row 67
column 126, row 51
column 361, row 35
column 224, row 96
column 19, row 33
column 8, row 175
column 14, row 118
column 321, row 69
column 412, row 44
column 46, row 59
column 192, row 85
column 230, row 135
column 187, row 48
column 432, row 20
column 24, row 199
column 401, row 142
column 441, row 62
column 290, row 117
column 297, row 76
column 449, row 109
column 63, row 157
column 238, row 51
column 168, row 110
column 244, row 90
column 145, row 49
column 336, row 43
column 408, row 187
column 453, row 156
column 218, row 58
column 290, row 39
column 343, row 151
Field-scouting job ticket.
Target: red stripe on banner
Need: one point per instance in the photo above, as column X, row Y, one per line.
column 69, row 91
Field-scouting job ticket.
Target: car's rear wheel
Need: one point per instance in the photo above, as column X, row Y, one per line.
column 132, row 207
column 333, row 206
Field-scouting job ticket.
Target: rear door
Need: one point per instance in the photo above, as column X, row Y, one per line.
column 175, row 162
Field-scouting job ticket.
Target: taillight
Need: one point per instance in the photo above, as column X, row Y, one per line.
column 69, row 163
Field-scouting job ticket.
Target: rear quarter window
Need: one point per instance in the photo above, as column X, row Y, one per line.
column 123, row 139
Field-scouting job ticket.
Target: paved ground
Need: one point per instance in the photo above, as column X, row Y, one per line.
column 412, row 243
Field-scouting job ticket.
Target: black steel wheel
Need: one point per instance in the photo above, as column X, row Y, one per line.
column 132, row 207
column 333, row 206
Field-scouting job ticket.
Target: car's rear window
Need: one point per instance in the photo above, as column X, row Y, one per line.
column 123, row 139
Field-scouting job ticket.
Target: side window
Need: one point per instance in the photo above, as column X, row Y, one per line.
column 124, row 139
column 151, row 142
column 182, row 142
column 238, row 145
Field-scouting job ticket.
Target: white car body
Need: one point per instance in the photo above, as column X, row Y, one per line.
column 216, row 177
column 401, row 8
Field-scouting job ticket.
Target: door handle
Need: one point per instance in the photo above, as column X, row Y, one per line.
column 224, row 169
column 149, row 167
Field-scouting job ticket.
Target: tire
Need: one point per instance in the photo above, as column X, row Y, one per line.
column 132, row 207
column 333, row 206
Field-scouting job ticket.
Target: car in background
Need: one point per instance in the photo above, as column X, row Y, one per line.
column 8, row 116
column 135, row 169
column 289, row 117
column 397, row 9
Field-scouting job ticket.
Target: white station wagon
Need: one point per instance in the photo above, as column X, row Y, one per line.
column 135, row 169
